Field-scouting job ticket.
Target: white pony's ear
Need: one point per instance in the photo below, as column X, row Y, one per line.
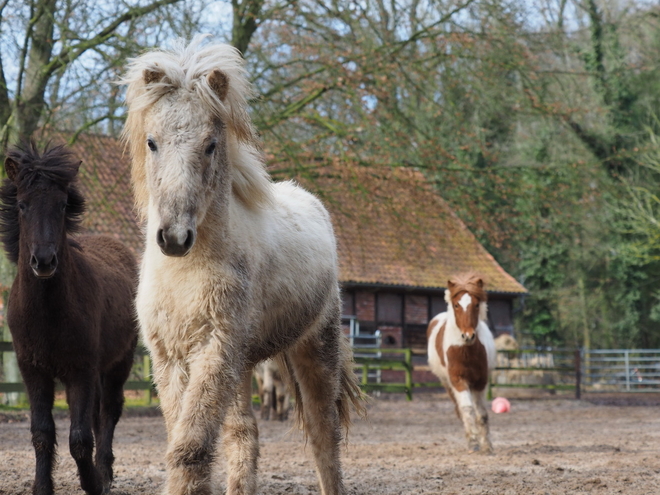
column 219, row 83
column 152, row 76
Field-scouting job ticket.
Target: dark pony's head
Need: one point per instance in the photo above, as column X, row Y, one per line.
column 39, row 205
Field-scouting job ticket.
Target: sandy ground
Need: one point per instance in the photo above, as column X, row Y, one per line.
column 559, row 446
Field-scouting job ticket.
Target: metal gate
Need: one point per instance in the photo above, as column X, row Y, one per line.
column 621, row 370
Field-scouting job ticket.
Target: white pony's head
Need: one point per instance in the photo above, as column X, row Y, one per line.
column 190, row 137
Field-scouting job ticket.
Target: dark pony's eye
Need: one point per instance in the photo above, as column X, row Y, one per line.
column 152, row 144
column 22, row 206
column 210, row 149
column 63, row 206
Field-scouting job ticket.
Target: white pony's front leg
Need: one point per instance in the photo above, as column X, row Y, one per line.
column 241, row 442
column 171, row 380
column 466, row 409
column 212, row 385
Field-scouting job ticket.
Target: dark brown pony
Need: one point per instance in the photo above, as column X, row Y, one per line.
column 70, row 312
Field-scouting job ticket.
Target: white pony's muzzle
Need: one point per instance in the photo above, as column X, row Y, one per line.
column 175, row 240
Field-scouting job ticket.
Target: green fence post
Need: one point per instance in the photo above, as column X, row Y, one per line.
column 146, row 372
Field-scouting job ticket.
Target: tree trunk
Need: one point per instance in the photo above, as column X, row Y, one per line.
column 30, row 103
column 245, row 22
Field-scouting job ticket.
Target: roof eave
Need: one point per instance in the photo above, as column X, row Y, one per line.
column 375, row 285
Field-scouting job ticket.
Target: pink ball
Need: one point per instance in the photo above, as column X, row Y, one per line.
column 500, row 405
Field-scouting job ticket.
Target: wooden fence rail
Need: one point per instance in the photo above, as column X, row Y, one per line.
column 143, row 384
column 368, row 361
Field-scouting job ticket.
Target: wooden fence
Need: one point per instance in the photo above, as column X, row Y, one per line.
column 142, row 383
column 554, row 370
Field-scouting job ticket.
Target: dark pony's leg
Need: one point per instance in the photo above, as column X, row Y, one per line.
column 317, row 370
column 81, row 391
column 112, row 402
column 41, row 392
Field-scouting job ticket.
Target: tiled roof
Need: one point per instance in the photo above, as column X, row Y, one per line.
column 106, row 184
column 391, row 228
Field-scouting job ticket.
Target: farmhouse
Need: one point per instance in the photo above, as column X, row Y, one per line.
column 398, row 241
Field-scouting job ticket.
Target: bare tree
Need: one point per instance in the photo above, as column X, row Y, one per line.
column 49, row 39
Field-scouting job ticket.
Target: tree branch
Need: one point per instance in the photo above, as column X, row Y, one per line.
column 70, row 53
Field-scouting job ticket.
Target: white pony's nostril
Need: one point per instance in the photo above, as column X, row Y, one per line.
column 160, row 238
column 190, row 239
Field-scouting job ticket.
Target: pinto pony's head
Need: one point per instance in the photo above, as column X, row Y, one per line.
column 191, row 138
column 40, row 204
column 466, row 299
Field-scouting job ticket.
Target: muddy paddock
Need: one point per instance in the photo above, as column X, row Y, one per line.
column 558, row 446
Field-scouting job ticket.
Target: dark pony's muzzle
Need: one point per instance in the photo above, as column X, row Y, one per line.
column 175, row 242
column 43, row 262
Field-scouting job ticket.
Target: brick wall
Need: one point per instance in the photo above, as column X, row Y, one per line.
column 391, row 336
column 365, row 306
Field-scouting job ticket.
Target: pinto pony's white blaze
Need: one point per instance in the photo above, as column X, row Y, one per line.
column 236, row 269
column 462, row 354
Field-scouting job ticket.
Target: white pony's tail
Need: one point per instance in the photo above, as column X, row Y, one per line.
column 350, row 394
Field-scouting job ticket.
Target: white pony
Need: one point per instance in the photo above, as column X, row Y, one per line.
column 273, row 390
column 236, row 269
column 461, row 352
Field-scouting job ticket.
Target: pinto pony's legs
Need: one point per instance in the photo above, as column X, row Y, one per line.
column 192, row 438
column 241, row 442
column 41, row 392
column 479, row 400
column 317, row 371
column 466, row 409
column 80, row 391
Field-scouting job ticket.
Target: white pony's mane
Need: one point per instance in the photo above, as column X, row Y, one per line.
column 186, row 67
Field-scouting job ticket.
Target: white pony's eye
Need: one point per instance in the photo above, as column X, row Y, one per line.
column 152, row 144
column 210, row 149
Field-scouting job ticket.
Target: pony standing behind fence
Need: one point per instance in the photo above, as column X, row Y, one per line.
column 462, row 353
column 70, row 313
column 236, row 269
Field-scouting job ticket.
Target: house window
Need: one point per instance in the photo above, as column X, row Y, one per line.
column 348, row 303
column 390, row 308
column 438, row 305
column 500, row 316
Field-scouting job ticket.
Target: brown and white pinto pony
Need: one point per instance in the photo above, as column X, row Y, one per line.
column 462, row 354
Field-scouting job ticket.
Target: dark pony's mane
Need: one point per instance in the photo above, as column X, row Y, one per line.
column 57, row 167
